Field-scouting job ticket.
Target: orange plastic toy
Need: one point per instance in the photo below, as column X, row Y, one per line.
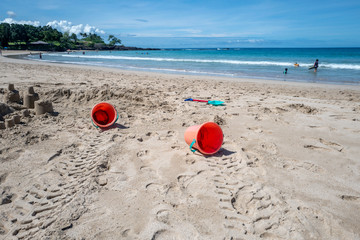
column 103, row 115
column 207, row 138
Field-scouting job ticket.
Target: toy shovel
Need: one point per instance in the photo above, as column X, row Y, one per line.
column 215, row 102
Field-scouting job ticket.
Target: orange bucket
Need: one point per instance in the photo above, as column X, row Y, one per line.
column 103, row 115
column 207, row 138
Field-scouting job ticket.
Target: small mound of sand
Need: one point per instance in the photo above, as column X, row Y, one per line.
column 303, row 108
column 5, row 109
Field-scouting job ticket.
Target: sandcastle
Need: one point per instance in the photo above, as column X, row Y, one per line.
column 30, row 99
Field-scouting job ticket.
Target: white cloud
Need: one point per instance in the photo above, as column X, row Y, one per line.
column 66, row 26
column 11, row 14
column 11, row 21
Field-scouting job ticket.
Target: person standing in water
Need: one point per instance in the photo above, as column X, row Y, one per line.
column 316, row 65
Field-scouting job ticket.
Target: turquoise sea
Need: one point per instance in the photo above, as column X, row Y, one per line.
column 336, row 65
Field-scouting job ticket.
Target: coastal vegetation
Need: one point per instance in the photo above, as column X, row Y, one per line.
column 46, row 38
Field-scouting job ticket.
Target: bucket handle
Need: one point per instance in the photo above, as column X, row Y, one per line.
column 94, row 124
column 191, row 149
column 117, row 117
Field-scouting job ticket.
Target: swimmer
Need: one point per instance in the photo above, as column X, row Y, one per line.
column 316, row 65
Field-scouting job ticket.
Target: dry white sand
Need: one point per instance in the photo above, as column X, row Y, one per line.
column 289, row 167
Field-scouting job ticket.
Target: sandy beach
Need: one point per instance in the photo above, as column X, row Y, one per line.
column 289, row 166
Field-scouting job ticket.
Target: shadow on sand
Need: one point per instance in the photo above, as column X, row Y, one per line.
column 115, row 125
column 221, row 153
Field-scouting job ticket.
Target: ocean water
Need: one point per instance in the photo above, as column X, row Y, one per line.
column 336, row 65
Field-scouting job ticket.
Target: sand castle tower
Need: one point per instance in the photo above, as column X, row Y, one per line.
column 42, row 107
column 12, row 95
column 30, row 97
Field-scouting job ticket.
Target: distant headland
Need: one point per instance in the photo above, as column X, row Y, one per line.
column 46, row 38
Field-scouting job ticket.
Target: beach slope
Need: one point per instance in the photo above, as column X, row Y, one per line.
column 288, row 168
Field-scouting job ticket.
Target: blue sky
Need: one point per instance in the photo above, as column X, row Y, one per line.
column 200, row 23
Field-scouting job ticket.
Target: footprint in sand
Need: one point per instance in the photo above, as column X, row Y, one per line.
column 175, row 147
column 333, row 145
column 163, row 216
column 168, row 134
column 185, row 180
column 313, row 147
column 147, row 169
column 3, row 178
column 164, row 234
column 142, row 153
column 190, row 161
column 155, row 187
column 324, row 145
column 349, row 198
column 311, row 167
column 269, row 147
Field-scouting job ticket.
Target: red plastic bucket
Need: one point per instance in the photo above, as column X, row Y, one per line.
column 103, row 115
column 207, row 138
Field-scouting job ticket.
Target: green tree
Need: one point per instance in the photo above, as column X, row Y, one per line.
column 66, row 41
column 113, row 40
column 5, row 34
column 49, row 34
column 65, row 37
column 33, row 33
column 92, row 38
column 74, row 37
column 18, row 33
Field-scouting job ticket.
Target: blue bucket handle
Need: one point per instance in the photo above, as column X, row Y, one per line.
column 191, row 145
column 117, row 117
column 94, row 124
